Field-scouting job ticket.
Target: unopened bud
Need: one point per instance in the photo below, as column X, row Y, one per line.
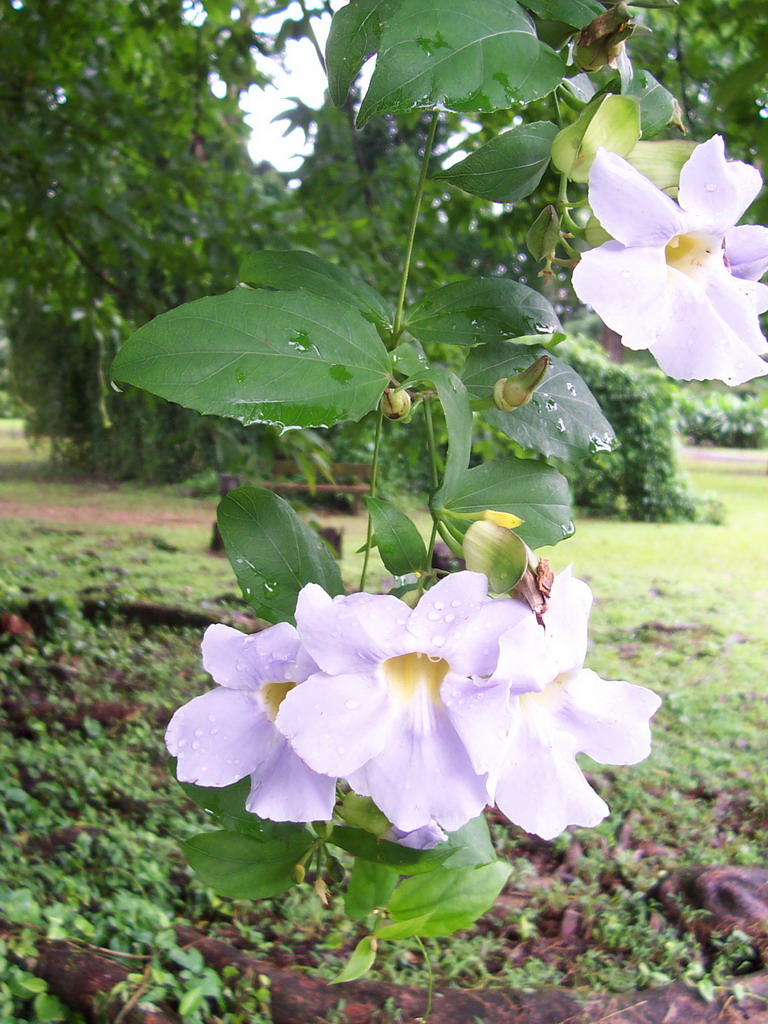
column 513, row 392
column 662, row 162
column 497, row 552
column 544, row 234
column 505, row 519
column 362, row 812
column 395, row 404
column 298, row 873
column 612, row 122
column 602, row 40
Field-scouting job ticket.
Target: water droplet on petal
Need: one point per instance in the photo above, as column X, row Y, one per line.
column 710, row 186
column 438, row 641
column 350, row 704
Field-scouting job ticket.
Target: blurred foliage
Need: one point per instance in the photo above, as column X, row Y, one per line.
column 722, row 418
column 641, row 480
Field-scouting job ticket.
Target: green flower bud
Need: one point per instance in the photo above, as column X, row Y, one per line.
column 612, row 122
column 544, row 234
column 298, row 873
column 513, row 392
column 497, row 552
column 602, row 40
column 395, row 404
column 662, row 161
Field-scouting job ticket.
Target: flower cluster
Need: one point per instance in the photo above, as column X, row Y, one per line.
column 432, row 712
column 679, row 278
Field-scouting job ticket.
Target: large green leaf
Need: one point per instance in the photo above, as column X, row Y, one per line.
column 274, row 554
column 562, row 418
column 478, row 56
column 289, row 270
column 227, row 805
column 243, row 867
column 481, row 309
column 532, row 490
column 573, row 12
column 287, row 358
column 657, row 104
column 458, row 420
column 400, row 544
column 379, row 851
column 369, row 887
column 354, row 37
column 507, row 168
column 444, row 901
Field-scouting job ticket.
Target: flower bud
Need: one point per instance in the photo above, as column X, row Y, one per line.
column 513, row 392
column 602, row 40
column 544, row 234
column 298, row 873
column 498, row 553
column 662, row 161
column 612, row 122
column 395, row 404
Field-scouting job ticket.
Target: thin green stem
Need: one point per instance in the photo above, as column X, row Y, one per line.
column 372, row 492
column 430, row 978
column 397, row 327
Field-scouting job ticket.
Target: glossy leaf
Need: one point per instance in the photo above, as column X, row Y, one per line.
column 458, row 420
column 447, row 900
column 370, row 886
column 274, row 554
column 562, row 419
column 400, row 544
column 242, row 867
column 507, row 168
column 290, row 270
column 657, row 104
column 573, row 12
column 287, row 358
column 468, row 57
column 532, row 490
column 227, row 805
column 364, row 845
column 361, row 961
column 481, row 309
column 354, row 37
column 470, row 845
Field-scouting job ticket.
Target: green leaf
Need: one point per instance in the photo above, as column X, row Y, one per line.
column 470, row 845
column 286, row 358
column 359, row 963
column 227, row 805
column 657, row 104
column 573, row 12
column 481, row 309
column 381, row 851
column 532, row 490
column 447, row 900
column 400, row 544
column 354, row 37
column 458, row 420
column 450, row 54
column 242, row 867
column 289, row 270
column 507, row 168
column 403, row 929
column 562, row 419
column 370, row 886
column 274, row 554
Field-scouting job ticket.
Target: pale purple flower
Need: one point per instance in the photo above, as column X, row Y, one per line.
column 403, row 707
column 424, row 838
column 679, row 278
column 229, row 732
column 539, row 784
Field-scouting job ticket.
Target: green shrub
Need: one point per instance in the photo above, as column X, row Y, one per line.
column 724, row 419
column 641, row 479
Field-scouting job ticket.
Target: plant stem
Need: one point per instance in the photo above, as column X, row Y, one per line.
column 430, row 978
column 397, row 326
column 372, row 492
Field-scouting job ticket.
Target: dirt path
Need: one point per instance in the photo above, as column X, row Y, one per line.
column 89, row 516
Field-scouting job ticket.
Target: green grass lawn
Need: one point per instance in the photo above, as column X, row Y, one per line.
column 91, row 817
